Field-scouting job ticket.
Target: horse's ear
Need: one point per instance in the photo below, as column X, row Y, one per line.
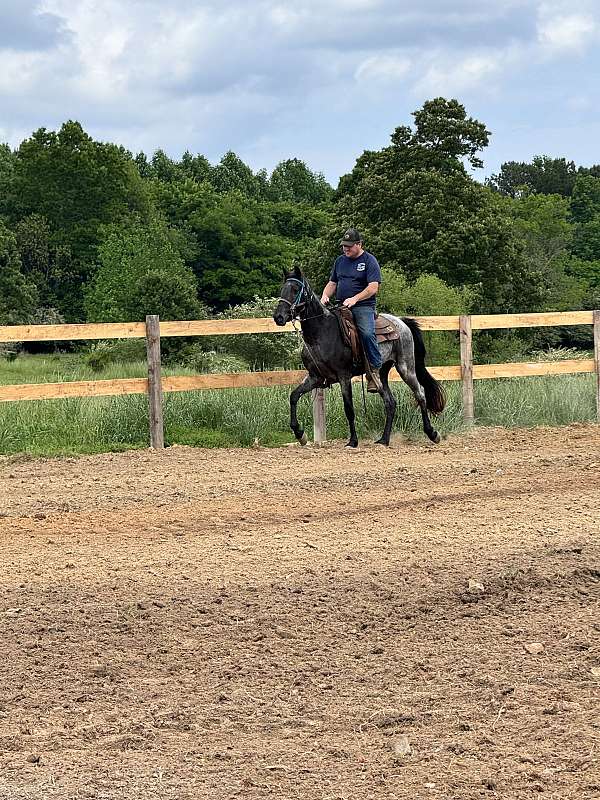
column 284, row 273
column 297, row 271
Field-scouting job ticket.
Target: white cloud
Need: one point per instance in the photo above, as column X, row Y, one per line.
column 383, row 68
column 567, row 32
column 449, row 76
column 270, row 76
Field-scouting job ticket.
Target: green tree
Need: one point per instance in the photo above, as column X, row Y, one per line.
column 586, row 270
column 7, row 170
column 141, row 272
column 586, row 240
column 164, row 168
column 18, row 296
column 544, row 175
column 196, row 167
column 240, row 254
column 299, row 221
column 585, row 200
column 232, row 243
column 543, row 224
column 585, row 212
column 421, row 212
column 293, row 181
column 443, row 130
column 77, row 185
column 231, row 174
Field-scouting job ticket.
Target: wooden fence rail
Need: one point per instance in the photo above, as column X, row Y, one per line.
column 154, row 386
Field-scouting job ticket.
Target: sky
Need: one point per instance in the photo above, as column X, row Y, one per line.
column 320, row 80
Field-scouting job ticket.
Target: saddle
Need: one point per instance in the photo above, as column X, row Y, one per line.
column 385, row 331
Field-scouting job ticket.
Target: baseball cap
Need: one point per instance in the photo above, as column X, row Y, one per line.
column 351, row 236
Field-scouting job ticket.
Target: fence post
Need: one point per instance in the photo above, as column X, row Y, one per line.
column 597, row 359
column 466, row 368
column 319, row 422
column 155, row 394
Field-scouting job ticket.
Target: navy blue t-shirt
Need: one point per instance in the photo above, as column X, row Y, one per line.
column 352, row 275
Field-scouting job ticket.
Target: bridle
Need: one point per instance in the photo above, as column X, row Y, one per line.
column 298, row 302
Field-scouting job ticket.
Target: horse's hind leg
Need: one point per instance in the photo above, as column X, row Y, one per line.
column 389, row 402
column 346, row 387
column 310, row 382
column 410, row 378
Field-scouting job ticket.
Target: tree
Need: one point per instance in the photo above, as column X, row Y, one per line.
column 231, row 174
column 547, row 235
column 293, row 181
column 544, row 175
column 236, row 246
column 141, row 272
column 18, row 296
column 586, row 240
column 240, row 254
column 421, row 212
column 77, row 185
column 443, row 128
column 163, row 168
column 196, row 167
column 7, row 169
column 585, row 212
column 298, row 221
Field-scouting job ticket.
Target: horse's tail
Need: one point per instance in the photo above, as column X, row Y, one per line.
column 434, row 394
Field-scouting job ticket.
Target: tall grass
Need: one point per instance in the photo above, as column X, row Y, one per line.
column 239, row 417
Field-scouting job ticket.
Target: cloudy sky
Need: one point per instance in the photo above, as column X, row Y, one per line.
column 321, row 80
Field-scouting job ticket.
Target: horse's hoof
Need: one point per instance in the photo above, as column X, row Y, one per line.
column 382, row 441
column 436, row 438
column 303, row 440
column 352, row 446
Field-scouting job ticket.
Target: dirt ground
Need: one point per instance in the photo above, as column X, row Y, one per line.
column 411, row 622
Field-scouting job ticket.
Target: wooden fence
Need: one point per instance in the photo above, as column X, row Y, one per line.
column 154, row 386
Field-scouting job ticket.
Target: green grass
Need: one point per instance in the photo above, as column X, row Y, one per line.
column 238, row 417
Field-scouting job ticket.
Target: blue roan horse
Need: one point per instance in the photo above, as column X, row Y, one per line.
column 328, row 359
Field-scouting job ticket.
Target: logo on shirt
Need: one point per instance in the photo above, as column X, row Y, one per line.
column 361, row 267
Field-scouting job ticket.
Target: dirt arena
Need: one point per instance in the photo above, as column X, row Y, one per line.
column 417, row 622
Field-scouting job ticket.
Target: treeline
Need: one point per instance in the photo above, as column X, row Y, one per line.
column 89, row 231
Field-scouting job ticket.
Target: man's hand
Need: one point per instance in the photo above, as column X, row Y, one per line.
column 324, row 298
column 350, row 301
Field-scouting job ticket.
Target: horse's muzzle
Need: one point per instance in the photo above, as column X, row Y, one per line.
column 279, row 319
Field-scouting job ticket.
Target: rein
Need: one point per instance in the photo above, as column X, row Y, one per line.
column 298, row 305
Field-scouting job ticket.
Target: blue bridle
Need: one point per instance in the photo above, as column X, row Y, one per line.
column 298, row 301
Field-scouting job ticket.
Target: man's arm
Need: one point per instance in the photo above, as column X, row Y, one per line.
column 370, row 291
column 328, row 292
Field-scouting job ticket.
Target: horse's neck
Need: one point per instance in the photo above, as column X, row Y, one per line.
column 314, row 318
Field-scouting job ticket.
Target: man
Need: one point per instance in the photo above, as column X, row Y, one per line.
column 355, row 281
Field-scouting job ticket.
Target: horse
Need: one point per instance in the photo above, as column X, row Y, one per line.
column 329, row 360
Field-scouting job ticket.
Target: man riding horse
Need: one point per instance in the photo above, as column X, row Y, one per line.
column 355, row 280
column 328, row 355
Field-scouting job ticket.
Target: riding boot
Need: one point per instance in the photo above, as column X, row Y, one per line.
column 373, row 380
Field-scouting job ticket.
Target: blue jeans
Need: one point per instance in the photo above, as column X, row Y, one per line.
column 364, row 317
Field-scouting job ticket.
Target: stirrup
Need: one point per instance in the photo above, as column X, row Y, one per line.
column 374, row 382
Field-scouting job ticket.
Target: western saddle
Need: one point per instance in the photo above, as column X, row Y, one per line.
column 385, row 330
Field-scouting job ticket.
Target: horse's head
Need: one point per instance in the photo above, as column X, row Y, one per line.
column 293, row 297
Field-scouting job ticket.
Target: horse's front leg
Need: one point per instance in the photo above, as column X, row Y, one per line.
column 346, row 387
column 309, row 383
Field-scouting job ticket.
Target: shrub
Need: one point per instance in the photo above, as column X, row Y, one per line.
column 106, row 352
column 213, row 361
column 263, row 350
